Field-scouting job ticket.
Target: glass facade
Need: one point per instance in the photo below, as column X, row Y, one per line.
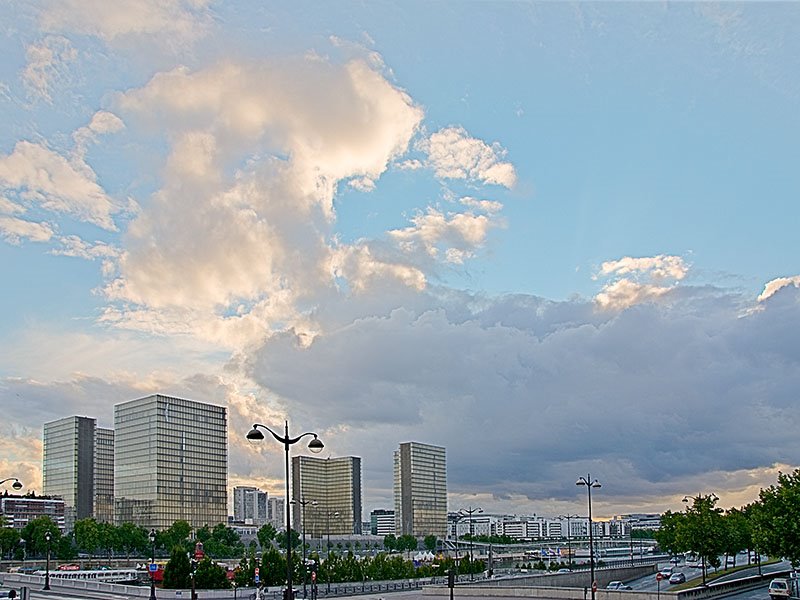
column 170, row 462
column 335, row 485
column 68, row 465
column 104, row 475
column 420, row 490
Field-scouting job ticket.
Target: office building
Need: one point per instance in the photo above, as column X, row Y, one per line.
column 334, row 484
column 275, row 513
column 104, row 475
column 381, row 522
column 250, row 505
column 170, row 462
column 68, row 465
column 420, row 490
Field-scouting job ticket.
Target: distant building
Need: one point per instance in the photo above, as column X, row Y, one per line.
column 334, row 485
column 381, row 522
column 170, row 462
column 78, row 466
column 420, row 490
column 276, row 515
column 250, row 505
column 18, row 511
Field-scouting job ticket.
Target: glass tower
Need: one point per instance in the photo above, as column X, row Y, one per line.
column 420, row 490
column 171, row 462
column 335, row 485
column 68, row 465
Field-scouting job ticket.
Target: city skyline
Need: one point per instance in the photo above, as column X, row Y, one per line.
column 553, row 238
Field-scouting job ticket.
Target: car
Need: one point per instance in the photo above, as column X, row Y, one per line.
column 618, row 585
column 677, row 578
column 779, row 589
column 666, row 572
column 564, row 571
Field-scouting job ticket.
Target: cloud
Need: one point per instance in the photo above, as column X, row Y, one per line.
column 39, row 175
column 14, row 230
column 558, row 375
column 453, row 154
column 237, row 237
column 772, row 287
column 174, row 21
column 102, row 122
column 47, row 63
column 638, row 280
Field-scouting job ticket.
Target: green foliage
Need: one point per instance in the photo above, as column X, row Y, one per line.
column 220, row 542
column 34, row 535
column 430, row 542
column 177, row 570
column 390, row 542
column 776, row 519
column 273, row 567
column 266, row 534
column 177, row 535
column 87, row 536
column 407, row 542
column 280, row 539
column 210, row 576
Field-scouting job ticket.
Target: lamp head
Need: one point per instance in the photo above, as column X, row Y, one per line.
column 596, row 484
column 581, row 481
column 314, row 445
column 17, row 485
column 254, row 434
column 48, row 536
column 152, row 536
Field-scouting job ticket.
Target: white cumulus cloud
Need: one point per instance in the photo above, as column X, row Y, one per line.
column 14, row 230
column 776, row 284
column 454, row 154
column 639, row 279
column 47, row 63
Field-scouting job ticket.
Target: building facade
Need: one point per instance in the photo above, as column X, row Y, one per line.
column 382, row 523
column 170, row 462
column 276, row 516
column 104, row 475
column 18, row 511
column 420, row 490
column 68, row 462
column 250, row 505
column 332, row 488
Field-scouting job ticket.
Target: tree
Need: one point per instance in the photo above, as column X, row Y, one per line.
column 87, row 536
column 177, row 571
column 430, row 542
column 132, row 538
column 9, row 538
column 265, row 535
column 407, row 542
column 777, row 518
column 668, row 535
column 390, row 542
column 210, row 576
column 736, row 533
column 34, row 535
column 702, row 530
column 280, row 539
column 273, row 567
column 177, row 535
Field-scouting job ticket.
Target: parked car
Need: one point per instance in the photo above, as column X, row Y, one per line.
column 618, row 585
column 677, row 578
column 779, row 589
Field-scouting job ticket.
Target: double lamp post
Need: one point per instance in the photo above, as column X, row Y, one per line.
column 590, row 483
column 316, row 446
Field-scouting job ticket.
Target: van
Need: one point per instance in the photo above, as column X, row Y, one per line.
column 779, row 589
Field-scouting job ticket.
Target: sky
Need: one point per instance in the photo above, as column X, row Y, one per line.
column 558, row 239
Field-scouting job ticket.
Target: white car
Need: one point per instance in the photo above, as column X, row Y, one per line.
column 779, row 589
column 618, row 585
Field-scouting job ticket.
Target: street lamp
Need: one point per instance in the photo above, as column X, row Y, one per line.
column 699, row 501
column 303, row 503
column 17, row 485
column 316, row 446
column 469, row 512
column 590, row 483
column 569, row 517
column 334, row 513
column 152, row 537
column 48, row 538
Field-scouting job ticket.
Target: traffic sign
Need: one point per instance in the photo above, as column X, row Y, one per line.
column 153, row 567
column 659, row 577
column 313, row 575
column 594, row 586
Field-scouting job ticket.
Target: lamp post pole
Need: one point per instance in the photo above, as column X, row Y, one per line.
column 590, row 483
column 152, row 537
column 48, row 538
column 303, row 503
column 469, row 512
column 328, row 553
column 315, row 445
column 569, row 517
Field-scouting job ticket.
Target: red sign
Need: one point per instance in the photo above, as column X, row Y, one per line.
column 594, row 586
column 256, row 570
column 659, row 577
column 313, row 575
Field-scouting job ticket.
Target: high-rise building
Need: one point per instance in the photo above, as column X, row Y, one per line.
column 334, row 484
column 104, row 475
column 250, row 505
column 420, row 490
column 68, row 465
column 170, row 462
column 18, row 511
column 275, row 513
column 381, row 522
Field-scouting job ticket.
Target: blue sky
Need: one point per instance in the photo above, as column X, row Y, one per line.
column 564, row 231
